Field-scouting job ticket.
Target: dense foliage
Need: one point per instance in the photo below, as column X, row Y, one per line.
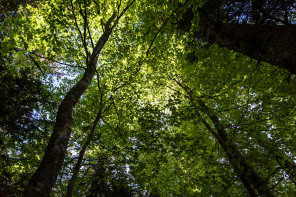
column 126, row 100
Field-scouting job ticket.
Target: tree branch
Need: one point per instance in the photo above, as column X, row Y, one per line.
column 83, row 39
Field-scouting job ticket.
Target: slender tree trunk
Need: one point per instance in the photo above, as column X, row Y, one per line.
column 274, row 44
column 231, row 157
column 249, row 177
column 44, row 178
column 71, row 184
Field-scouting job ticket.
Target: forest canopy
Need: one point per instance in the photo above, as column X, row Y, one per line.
column 147, row 98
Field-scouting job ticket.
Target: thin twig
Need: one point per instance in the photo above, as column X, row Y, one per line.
column 107, row 124
column 162, row 26
column 36, row 64
column 125, row 9
column 80, row 33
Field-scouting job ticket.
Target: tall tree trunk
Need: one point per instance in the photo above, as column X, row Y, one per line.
column 234, row 160
column 71, row 184
column 249, row 177
column 274, row 44
column 44, row 178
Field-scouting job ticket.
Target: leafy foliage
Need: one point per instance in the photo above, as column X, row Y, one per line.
column 149, row 122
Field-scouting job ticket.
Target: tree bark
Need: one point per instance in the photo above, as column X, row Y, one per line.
column 250, row 178
column 71, row 184
column 44, row 178
column 271, row 43
column 274, row 44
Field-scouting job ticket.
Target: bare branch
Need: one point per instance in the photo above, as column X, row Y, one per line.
column 98, row 78
column 125, row 9
column 36, row 64
column 107, row 124
column 80, row 33
column 119, row 5
column 90, row 37
column 162, row 26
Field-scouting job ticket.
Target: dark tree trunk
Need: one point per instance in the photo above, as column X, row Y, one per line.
column 233, row 158
column 271, row 43
column 250, row 178
column 274, row 44
column 72, row 181
column 44, row 178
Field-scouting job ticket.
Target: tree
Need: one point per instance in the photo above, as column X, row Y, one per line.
column 237, row 111
column 146, row 110
column 259, row 30
column 231, row 124
column 23, row 96
column 47, row 172
column 25, row 103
